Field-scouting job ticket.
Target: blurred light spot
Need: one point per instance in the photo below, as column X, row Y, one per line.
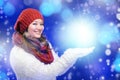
column 66, row 14
column 112, row 68
column 91, row 2
column 6, row 22
column 3, row 76
column 1, row 57
column 91, row 77
column 108, row 8
column 48, row 8
column 57, row 5
column 100, row 60
column 118, row 49
column 108, row 34
column 118, row 25
column 108, row 62
column 70, row 76
column 117, row 64
column 97, row 17
column 28, row 2
column 69, row 1
column 1, row 11
column 90, row 66
column 78, row 32
column 11, row 27
column 102, row 78
column 1, row 3
column 118, row 9
column 7, row 33
column 108, row 2
column 111, row 23
column 9, row 9
column 9, row 73
column 8, row 29
column 8, row 40
column 108, row 52
column 112, row 75
column 108, row 46
column 2, row 49
column 117, row 76
column 86, row 66
column 118, row 16
column 74, row 67
column 1, row 17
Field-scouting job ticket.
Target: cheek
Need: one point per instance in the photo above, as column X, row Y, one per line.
column 42, row 28
column 31, row 30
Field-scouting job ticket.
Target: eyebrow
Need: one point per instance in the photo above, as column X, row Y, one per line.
column 38, row 21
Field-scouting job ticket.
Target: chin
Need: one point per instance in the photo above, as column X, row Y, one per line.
column 38, row 36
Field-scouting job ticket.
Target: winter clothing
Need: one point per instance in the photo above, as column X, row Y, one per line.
column 41, row 51
column 26, row 17
column 28, row 67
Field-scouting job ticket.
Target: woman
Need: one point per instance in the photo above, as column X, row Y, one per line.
column 32, row 57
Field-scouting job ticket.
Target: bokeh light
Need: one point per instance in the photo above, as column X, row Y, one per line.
column 108, row 34
column 66, row 14
column 50, row 7
column 9, row 9
column 78, row 33
column 117, row 65
column 1, row 3
column 68, row 24
column 3, row 76
column 28, row 2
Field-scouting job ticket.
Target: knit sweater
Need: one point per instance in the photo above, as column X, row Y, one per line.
column 27, row 67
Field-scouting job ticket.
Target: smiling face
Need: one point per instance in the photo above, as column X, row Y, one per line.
column 36, row 28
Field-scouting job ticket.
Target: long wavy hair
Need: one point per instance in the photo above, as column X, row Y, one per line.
column 21, row 41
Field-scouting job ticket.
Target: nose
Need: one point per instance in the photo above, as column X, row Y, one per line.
column 40, row 27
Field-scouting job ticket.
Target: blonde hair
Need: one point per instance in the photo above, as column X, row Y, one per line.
column 21, row 41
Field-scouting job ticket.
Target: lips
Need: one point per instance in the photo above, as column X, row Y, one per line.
column 38, row 32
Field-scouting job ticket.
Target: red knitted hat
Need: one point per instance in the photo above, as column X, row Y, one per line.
column 26, row 17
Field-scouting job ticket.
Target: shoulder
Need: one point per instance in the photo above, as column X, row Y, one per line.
column 19, row 54
column 16, row 49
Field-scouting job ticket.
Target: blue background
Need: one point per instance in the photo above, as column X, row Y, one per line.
column 102, row 64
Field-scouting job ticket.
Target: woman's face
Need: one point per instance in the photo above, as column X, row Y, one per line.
column 36, row 28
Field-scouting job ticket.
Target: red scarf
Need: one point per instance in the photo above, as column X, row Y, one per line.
column 47, row 57
column 42, row 52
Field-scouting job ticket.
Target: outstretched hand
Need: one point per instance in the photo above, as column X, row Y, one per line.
column 84, row 51
column 81, row 51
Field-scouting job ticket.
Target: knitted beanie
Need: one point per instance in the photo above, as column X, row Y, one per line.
column 26, row 17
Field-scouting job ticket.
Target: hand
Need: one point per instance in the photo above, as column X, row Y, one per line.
column 84, row 51
column 81, row 52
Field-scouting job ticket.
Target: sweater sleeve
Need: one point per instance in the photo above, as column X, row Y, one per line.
column 28, row 64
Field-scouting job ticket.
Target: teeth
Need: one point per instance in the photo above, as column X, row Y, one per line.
column 37, row 32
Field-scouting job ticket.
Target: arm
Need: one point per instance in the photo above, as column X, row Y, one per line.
column 28, row 64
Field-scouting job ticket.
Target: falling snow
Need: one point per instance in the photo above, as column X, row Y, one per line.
column 102, row 64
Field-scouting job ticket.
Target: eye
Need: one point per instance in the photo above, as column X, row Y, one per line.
column 34, row 23
column 41, row 24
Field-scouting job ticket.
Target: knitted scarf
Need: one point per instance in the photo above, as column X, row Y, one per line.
column 41, row 51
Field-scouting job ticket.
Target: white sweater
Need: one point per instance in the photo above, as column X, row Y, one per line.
column 28, row 67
